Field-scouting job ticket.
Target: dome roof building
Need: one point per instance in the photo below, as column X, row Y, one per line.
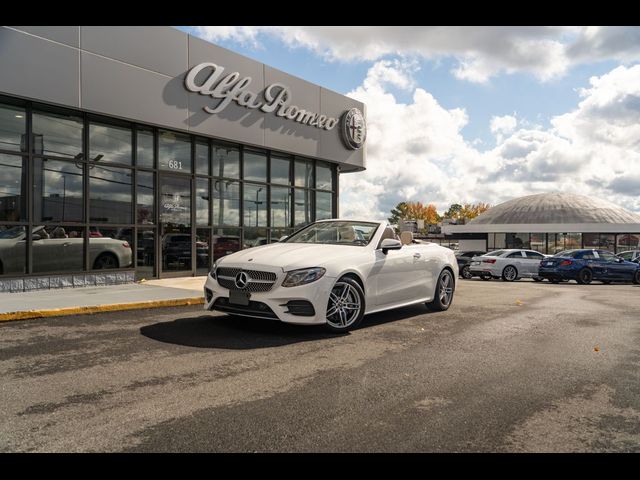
column 550, row 222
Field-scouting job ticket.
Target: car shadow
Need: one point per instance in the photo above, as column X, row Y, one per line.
column 232, row 333
column 395, row 315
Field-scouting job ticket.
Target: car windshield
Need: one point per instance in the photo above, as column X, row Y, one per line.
column 337, row 233
column 12, row 232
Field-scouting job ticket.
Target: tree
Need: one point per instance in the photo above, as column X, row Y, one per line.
column 454, row 211
column 398, row 213
column 414, row 211
column 470, row 211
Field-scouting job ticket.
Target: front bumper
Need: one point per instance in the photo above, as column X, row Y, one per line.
column 288, row 304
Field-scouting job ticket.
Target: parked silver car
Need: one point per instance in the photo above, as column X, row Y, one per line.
column 509, row 264
column 629, row 255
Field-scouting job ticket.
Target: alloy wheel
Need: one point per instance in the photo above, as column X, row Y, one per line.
column 509, row 273
column 446, row 288
column 466, row 273
column 344, row 305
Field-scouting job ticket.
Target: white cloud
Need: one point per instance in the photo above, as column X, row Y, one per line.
column 482, row 52
column 416, row 151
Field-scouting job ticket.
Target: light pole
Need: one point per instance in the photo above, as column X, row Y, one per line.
column 257, row 193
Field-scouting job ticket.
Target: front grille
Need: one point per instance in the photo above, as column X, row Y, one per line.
column 254, row 309
column 258, row 281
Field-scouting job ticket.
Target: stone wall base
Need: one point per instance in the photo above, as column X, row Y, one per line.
column 49, row 282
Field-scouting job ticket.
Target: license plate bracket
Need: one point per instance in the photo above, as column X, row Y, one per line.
column 238, row 297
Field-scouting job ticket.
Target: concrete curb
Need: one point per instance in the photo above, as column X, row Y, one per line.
column 114, row 307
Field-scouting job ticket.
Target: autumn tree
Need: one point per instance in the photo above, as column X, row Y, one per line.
column 414, row 211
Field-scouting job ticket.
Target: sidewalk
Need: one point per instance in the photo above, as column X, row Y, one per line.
column 169, row 292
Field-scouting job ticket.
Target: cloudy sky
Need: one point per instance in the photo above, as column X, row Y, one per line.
column 470, row 114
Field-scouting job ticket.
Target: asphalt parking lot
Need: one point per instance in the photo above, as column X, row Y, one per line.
column 514, row 367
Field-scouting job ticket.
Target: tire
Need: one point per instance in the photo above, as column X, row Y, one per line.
column 606, row 282
column 485, row 277
column 636, row 277
column 538, row 279
column 555, row 282
column 1, row 269
column 106, row 261
column 346, row 306
column 585, row 276
column 445, row 288
column 509, row 273
column 466, row 273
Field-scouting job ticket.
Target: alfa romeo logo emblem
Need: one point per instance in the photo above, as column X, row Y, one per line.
column 242, row 280
column 353, row 128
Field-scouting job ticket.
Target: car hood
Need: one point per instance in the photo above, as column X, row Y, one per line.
column 290, row 256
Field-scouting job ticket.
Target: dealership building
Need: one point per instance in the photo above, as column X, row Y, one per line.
column 145, row 152
column 549, row 223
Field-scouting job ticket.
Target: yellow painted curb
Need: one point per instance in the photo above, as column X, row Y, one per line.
column 114, row 307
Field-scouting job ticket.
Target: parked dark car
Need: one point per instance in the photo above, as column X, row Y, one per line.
column 464, row 258
column 586, row 265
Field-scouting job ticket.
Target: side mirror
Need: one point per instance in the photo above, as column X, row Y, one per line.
column 35, row 236
column 284, row 237
column 620, row 260
column 390, row 244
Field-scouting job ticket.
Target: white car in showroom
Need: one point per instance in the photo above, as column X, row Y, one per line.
column 332, row 272
column 509, row 264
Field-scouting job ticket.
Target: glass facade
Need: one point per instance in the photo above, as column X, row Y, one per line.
column 552, row 243
column 81, row 192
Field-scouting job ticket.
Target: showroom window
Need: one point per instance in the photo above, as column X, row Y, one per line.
column 57, row 135
column 109, row 144
column 58, row 190
column 144, row 148
column 13, row 186
column 13, row 126
column 174, row 152
column 225, row 161
column 14, row 252
column 255, row 205
column 255, row 166
column 110, row 194
column 226, row 203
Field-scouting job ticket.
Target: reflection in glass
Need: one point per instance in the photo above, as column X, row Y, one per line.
column 254, row 237
column 225, row 241
column 539, row 242
column 255, row 166
column 145, row 251
column 109, row 144
column 145, row 148
column 176, row 247
column 591, row 240
column 203, row 240
column 518, row 240
column 607, row 241
column 226, row 203
column 278, row 233
column 302, row 213
column 324, row 205
column 280, row 170
column 57, row 134
column 202, row 201
column 174, row 152
column 57, row 190
column 226, row 161
column 280, row 207
column 255, row 205
column 58, row 249
column 145, row 188
column 12, row 128
column 572, row 241
column 304, row 173
column 13, row 250
column 175, row 223
column 202, row 157
column 323, row 176
column 110, row 194
column 110, row 248
column 175, row 200
column 13, row 187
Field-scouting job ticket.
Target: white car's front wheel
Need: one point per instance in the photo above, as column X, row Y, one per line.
column 345, row 308
column 444, row 292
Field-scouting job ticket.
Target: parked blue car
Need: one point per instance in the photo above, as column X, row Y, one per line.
column 586, row 265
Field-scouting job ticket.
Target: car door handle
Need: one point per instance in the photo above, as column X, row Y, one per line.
column 416, row 255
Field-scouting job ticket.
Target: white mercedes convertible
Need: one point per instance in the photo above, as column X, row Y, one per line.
column 332, row 272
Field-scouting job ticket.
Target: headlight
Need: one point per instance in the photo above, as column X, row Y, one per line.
column 303, row 276
column 212, row 273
